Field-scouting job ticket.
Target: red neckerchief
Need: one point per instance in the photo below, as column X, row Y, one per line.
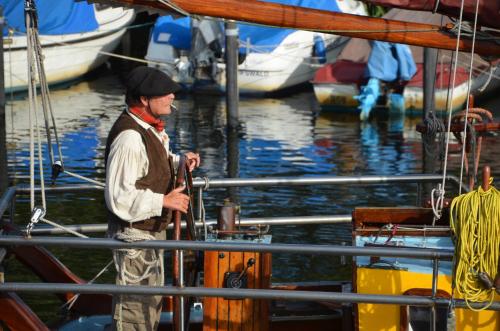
column 157, row 123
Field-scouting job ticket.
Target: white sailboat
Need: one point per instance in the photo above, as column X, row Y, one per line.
column 271, row 59
column 67, row 56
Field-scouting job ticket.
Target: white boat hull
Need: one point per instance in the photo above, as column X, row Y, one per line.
column 66, row 57
column 290, row 64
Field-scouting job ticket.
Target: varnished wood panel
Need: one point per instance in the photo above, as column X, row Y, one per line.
column 416, row 216
column 236, row 264
column 265, row 284
column 322, row 21
column 17, row 315
column 247, row 309
column 211, row 267
column 222, row 304
column 236, row 314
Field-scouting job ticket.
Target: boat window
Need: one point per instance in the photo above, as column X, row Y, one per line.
column 420, row 317
column 414, row 318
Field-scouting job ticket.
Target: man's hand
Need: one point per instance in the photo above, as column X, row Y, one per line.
column 193, row 160
column 176, row 200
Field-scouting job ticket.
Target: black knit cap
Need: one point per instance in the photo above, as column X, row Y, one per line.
column 149, row 82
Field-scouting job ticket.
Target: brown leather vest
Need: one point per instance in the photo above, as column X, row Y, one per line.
column 160, row 175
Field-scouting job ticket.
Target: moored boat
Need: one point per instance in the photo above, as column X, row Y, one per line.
column 75, row 38
column 271, row 59
column 337, row 85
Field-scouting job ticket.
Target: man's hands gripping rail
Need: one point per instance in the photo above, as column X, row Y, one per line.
column 176, row 200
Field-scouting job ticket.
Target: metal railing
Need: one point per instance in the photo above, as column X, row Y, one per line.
column 104, row 243
column 202, row 185
column 300, row 220
column 206, row 183
column 421, row 253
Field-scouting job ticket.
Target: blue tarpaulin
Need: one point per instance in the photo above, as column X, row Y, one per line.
column 389, row 62
column 171, row 31
column 178, row 33
column 55, row 17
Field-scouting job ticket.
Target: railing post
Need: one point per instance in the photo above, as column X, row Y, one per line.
column 3, row 252
column 181, row 285
column 435, row 268
column 4, row 179
column 199, row 203
column 347, row 316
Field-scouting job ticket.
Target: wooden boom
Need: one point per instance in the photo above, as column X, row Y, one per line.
column 273, row 14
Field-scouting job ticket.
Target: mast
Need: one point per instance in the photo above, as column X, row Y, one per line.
column 273, row 14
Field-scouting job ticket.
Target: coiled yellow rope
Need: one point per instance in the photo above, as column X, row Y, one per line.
column 475, row 221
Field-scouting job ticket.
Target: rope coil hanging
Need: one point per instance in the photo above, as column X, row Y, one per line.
column 475, row 223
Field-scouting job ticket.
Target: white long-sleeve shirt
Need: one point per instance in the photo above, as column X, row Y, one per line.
column 128, row 162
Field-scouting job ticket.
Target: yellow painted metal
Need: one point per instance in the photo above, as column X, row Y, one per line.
column 387, row 317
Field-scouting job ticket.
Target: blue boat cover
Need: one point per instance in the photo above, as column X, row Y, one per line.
column 175, row 32
column 262, row 39
column 54, row 17
column 390, row 62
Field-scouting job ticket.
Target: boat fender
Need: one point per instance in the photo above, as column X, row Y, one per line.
column 57, row 168
column 485, row 280
column 396, row 103
column 319, row 49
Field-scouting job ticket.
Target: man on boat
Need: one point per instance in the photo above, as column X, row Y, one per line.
column 140, row 194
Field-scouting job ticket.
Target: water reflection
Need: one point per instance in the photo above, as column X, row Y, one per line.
column 279, row 137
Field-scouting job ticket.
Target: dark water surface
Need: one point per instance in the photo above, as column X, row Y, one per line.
column 279, row 137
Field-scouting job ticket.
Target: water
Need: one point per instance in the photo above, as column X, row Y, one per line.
column 280, row 137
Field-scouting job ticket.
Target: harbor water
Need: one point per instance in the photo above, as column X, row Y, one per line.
column 288, row 136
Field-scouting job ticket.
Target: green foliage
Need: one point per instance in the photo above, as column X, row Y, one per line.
column 376, row 11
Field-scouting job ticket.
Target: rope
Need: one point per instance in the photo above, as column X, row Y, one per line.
column 32, row 105
column 488, row 81
column 469, row 31
column 475, row 222
column 70, row 303
column 434, row 128
column 473, row 138
column 84, row 178
column 11, row 105
column 35, row 56
column 449, row 109
column 436, row 6
column 44, row 91
column 155, row 265
column 130, row 58
column 40, row 159
column 63, row 228
column 174, row 7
